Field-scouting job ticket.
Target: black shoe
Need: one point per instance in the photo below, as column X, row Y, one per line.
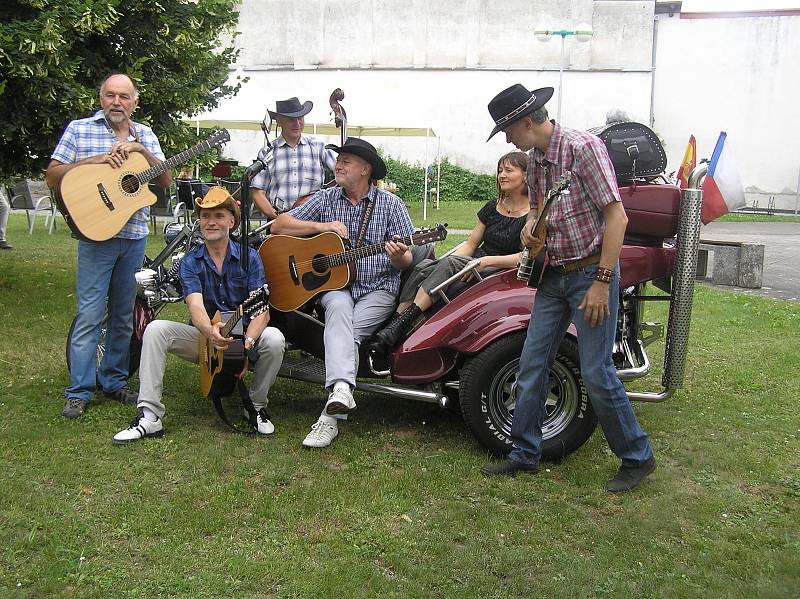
column 629, row 477
column 124, row 395
column 74, row 408
column 4, row 245
column 509, row 468
column 385, row 339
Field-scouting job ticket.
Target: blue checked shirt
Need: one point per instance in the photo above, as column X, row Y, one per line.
column 294, row 172
column 224, row 292
column 389, row 217
column 88, row 137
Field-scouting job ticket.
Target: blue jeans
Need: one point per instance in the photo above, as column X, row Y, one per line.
column 555, row 306
column 105, row 270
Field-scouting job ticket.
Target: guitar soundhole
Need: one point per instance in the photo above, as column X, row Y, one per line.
column 319, row 263
column 130, row 184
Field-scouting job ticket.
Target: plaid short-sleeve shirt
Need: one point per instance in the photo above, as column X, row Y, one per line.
column 575, row 222
column 294, row 172
column 88, row 137
column 389, row 217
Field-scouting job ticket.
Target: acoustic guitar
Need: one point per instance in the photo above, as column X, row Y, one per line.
column 531, row 268
column 97, row 200
column 297, row 269
column 218, row 368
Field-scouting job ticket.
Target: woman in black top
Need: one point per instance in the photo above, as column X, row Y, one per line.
column 494, row 240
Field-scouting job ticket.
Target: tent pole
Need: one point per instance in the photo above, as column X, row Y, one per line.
column 196, row 163
column 425, row 175
column 438, row 168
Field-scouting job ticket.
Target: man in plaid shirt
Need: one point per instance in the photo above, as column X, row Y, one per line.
column 296, row 168
column 585, row 231
column 106, row 268
column 353, row 314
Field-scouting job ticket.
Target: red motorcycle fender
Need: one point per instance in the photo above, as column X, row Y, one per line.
column 142, row 316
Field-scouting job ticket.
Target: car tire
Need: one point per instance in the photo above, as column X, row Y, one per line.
column 488, row 384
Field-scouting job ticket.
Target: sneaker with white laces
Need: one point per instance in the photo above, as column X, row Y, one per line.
column 139, row 428
column 323, row 432
column 263, row 425
column 340, row 401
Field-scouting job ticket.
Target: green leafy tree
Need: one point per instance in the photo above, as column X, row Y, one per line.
column 54, row 53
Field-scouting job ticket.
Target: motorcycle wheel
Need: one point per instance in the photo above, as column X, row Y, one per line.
column 488, row 387
column 135, row 347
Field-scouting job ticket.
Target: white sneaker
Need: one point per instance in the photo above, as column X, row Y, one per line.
column 340, row 401
column 323, row 432
column 139, row 428
column 264, row 425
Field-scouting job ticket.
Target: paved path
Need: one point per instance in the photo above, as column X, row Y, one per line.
column 781, row 254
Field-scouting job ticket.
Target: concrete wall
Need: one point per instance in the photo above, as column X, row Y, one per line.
column 437, row 64
column 737, row 75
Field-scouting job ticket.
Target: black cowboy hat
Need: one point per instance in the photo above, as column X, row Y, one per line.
column 515, row 102
column 291, row 108
column 362, row 149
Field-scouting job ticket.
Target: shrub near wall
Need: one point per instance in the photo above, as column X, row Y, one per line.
column 457, row 184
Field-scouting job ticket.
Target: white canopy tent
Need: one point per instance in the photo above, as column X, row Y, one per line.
column 203, row 122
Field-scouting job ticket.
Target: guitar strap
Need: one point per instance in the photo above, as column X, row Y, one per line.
column 248, row 405
column 365, row 218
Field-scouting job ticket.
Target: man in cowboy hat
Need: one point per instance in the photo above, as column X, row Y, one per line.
column 353, row 314
column 297, row 165
column 213, row 280
column 584, row 234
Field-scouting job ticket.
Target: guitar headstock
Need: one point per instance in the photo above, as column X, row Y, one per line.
column 219, row 137
column 257, row 302
column 435, row 233
column 561, row 184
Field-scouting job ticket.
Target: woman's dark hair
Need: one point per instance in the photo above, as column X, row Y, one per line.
column 518, row 159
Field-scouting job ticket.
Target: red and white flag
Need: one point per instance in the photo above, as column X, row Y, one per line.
column 722, row 189
column 687, row 164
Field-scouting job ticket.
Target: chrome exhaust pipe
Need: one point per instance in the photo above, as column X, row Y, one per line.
column 683, row 277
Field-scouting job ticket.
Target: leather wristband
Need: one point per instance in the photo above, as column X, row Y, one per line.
column 604, row 275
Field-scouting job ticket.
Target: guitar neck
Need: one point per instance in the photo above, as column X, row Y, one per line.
column 170, row 163
column 362, row 252
column 231, row 322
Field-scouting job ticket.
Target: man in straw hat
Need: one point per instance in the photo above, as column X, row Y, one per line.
column 585, row 230
column 212, row 279
column 353, row 314
column 298, row 162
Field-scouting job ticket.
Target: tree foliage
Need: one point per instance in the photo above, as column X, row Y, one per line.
column 54, row 53
column 457, row 183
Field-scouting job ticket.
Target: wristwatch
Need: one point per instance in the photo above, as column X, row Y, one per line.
column 251, row 341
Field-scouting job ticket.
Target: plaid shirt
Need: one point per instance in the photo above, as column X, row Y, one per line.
column 88, row 137
column 575, row 222
column 226, row 291
column 389, row 217
column 294, row 172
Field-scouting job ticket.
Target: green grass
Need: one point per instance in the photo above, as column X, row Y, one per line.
column 457, row 215
column 396, row 507
column 759, row 218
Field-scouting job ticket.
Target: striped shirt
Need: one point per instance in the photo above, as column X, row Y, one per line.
column 575, row 222
column 84, row 138
column 292, row 173
column 389, row 217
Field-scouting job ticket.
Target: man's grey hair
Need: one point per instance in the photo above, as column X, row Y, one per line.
column 114, row 74
column 615, row 115
column 539, row 115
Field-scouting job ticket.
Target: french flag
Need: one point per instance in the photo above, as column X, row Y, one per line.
column 722, row 189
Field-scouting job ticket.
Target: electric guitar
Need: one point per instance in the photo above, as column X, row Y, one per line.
column 97, row 200
column 218, row 368
column 531, row 268
column 298, row 268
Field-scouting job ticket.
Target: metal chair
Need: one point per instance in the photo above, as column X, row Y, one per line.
column 186, row 191
column 166, row 205
column 33, row 197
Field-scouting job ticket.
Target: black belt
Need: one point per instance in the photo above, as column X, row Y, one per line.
column 570, row 266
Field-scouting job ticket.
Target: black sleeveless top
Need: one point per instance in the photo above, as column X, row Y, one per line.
column 502, row 232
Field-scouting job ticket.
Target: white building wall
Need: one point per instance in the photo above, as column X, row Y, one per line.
column 415, row 63
column 738, row 75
